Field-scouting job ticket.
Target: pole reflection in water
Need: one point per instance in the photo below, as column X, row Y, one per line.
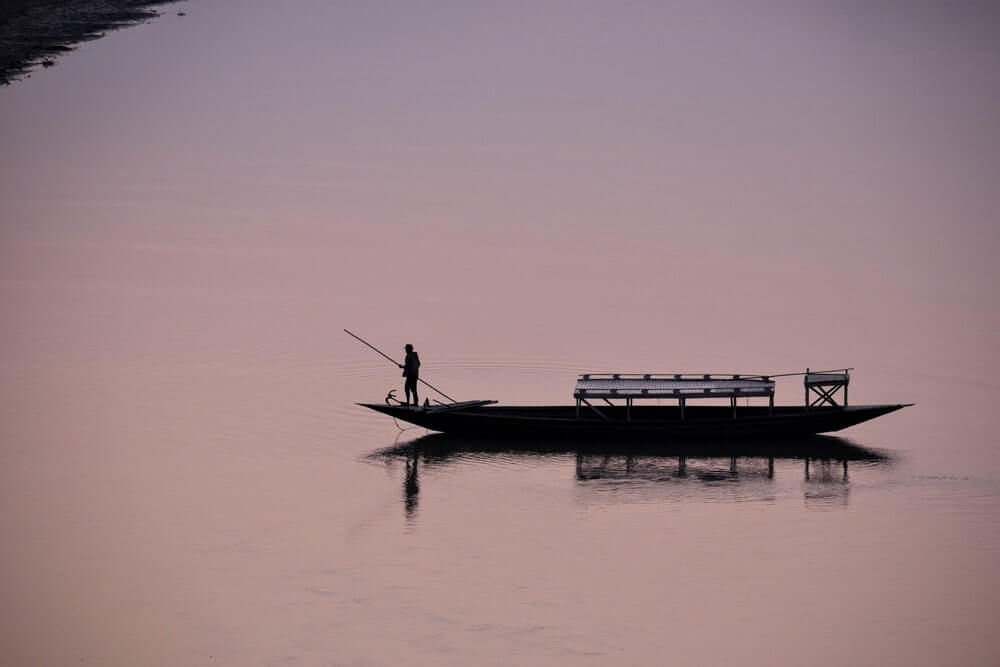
column 660, row 472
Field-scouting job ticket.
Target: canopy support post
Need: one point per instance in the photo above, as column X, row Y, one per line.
column 807, row 390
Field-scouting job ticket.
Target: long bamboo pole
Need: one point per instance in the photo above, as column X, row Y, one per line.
column 362, row 340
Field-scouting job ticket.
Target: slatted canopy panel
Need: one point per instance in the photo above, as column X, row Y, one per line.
column 649, row 385
column 824, row 379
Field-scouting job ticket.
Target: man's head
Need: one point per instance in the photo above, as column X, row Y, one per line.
column 408, row 348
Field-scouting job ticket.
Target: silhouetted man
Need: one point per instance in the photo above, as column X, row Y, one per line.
column 411, row 371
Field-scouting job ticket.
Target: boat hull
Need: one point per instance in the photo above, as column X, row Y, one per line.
column 648, row 423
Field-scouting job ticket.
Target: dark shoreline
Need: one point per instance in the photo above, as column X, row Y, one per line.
column 34, row 32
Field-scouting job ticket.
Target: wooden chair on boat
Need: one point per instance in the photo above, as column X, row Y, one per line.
column 821, row 388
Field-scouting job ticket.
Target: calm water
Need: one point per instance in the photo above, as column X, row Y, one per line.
column 192, row 210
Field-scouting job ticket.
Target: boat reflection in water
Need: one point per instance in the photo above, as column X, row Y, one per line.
column 741, row 470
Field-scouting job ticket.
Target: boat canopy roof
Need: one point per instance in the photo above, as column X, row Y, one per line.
column 658, row 385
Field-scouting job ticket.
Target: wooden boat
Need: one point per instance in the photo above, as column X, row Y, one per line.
column 821, row 412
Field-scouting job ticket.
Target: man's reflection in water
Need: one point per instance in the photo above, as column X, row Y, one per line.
column 411, row 483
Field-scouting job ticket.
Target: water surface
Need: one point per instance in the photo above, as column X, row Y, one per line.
column 192, row 210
